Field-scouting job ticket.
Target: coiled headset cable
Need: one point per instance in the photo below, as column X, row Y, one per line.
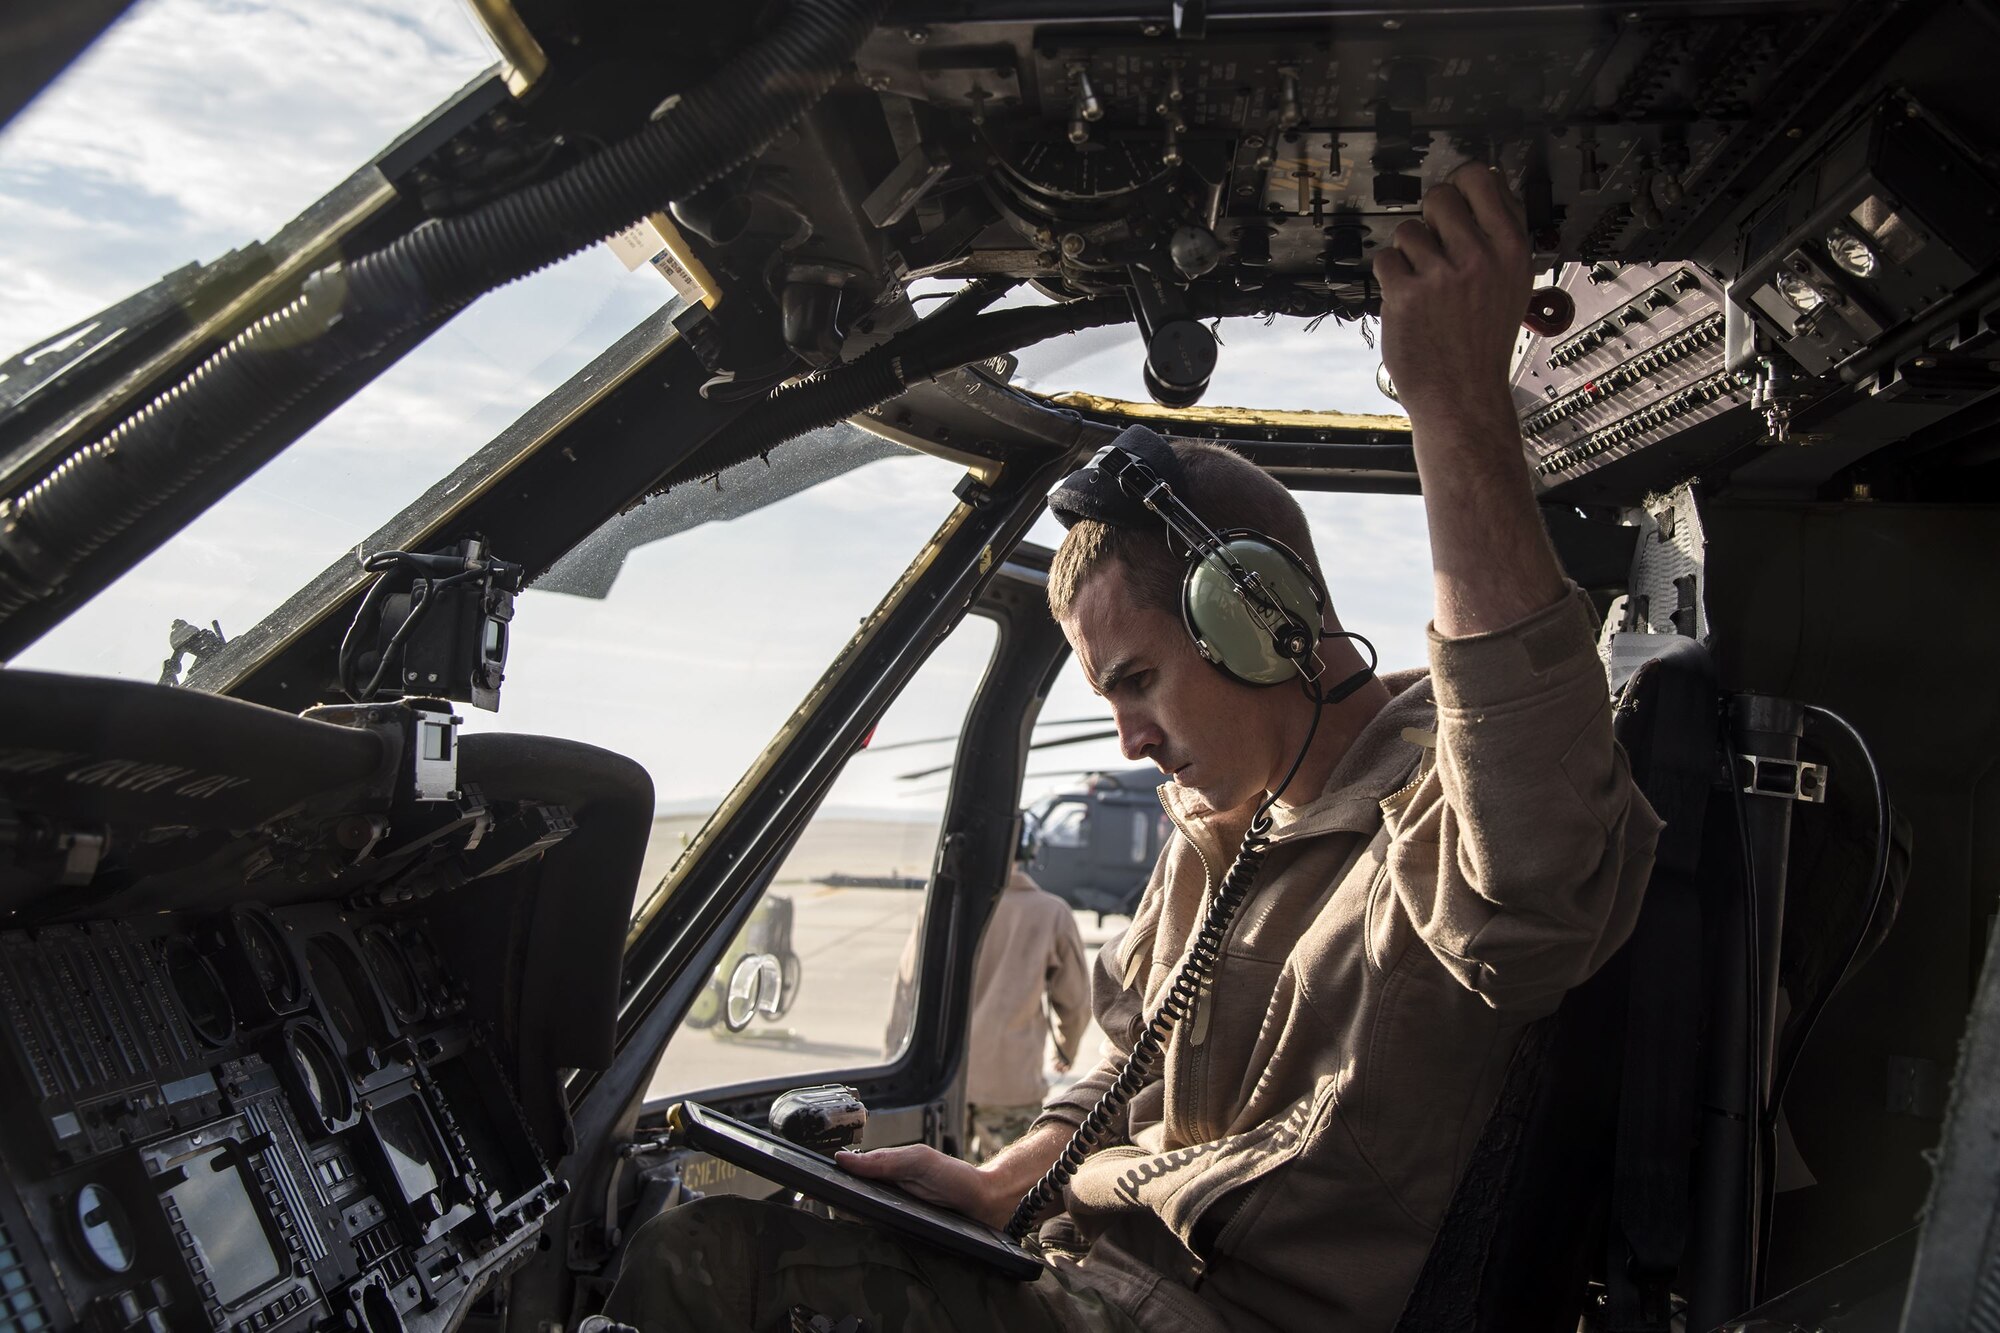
column 1197, row 971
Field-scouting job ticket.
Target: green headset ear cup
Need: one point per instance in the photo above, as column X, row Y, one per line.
column 1223, row 628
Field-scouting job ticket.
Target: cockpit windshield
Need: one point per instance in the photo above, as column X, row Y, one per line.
column 280, row 120
column 1265, row 364
column 681, row 633
column 194, row 127
column 688, row 650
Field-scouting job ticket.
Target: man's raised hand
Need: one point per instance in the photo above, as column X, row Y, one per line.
column 1454, row 289
column 1455, row 284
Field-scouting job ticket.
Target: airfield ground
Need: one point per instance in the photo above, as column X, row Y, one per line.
column 849, row 942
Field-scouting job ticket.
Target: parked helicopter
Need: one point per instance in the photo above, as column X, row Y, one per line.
column 1091, row 843
column 1094, row 845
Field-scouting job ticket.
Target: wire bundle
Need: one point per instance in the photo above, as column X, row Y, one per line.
column 1197, row 971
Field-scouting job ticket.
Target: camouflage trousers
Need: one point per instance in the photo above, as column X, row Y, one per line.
column 988, row 1129
column 734, row 1265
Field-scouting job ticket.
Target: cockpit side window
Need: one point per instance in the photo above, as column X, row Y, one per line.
column 1141, row 852
column 822, row 977
column 1067, row 825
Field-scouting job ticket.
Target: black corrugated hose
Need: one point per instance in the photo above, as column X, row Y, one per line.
column 345, row 314
column 953, row 337
column 876, row 376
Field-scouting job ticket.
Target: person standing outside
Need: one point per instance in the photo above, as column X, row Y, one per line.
column 1030, row 982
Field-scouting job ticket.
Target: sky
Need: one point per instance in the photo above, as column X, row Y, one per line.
column 195, row 126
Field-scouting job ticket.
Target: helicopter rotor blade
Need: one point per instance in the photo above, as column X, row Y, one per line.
column 940, row 740
column 924, row 773
column 1075, row 740
column 1038, row 745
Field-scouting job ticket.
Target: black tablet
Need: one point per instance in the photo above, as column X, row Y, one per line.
column 783, row 1163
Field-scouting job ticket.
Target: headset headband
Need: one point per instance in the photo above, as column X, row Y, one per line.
column 1089, row 492
column 1294, row 639
column 1252, row 606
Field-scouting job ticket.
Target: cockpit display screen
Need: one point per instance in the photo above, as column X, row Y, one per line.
column 410, row 1145
column 227, row 1231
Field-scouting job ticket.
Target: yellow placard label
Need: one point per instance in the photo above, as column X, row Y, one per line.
column 657, row 242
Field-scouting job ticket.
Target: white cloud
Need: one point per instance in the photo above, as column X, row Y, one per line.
column 194, row 126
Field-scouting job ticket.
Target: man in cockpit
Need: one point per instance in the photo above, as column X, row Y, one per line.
column 1455, row 850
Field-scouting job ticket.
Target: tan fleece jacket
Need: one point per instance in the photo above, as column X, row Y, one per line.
column 1029, row 982
column 1295, row 1152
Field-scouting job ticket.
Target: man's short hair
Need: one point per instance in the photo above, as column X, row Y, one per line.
column 1224, row 489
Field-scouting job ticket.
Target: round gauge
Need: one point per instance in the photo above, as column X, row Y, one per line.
column 343, row 991
column 392, row 973
column 319, row 1074
column 421, row 955
column 199, row 992
column 270, row 959
column 1073, row 173
column 103, row 1229
column 1850, row 252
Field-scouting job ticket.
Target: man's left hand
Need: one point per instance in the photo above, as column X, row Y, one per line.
column 932, row 1177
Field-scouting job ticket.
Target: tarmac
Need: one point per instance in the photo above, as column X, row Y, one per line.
column 850, row 942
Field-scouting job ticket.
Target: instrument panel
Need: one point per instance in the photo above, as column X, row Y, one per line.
column 1636, row 392
column 259, row 1119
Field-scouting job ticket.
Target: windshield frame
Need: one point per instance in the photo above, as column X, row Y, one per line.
column 79, row 387
column 421, row 525
column 782, row 789
column 974, row 849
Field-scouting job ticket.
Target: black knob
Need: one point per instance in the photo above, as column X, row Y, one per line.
column 1395, row 189
column 1180, row 357
column 1345, row 243
column 1253, row 248
column 1168, row 395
